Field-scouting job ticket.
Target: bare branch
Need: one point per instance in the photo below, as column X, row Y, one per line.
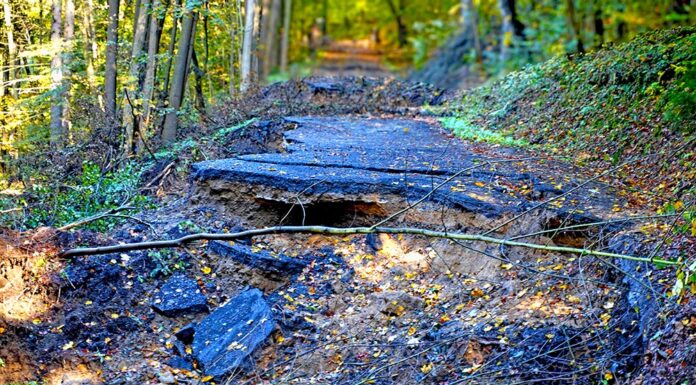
column 180, row 242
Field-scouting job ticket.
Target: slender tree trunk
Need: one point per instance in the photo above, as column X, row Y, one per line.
column 176, row 92
column 11, row 48
column 91, row 48
column 574, row 25
column 56, row 127
column 598, row 24
column 68, row 43
column 236, row 25
column 270, row 48
column 151, row 68
column 397, row 12
column 131, row 87
column 285, row 42
column 199, row 75
column 170, row 49
column 506, row 30
column 247, row 45
column 111, row 63
column 470, row 17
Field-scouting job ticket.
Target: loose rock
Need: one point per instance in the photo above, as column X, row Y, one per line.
column 180, row 295
column 225, row 339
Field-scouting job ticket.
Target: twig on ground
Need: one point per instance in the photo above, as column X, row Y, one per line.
column 96, row 217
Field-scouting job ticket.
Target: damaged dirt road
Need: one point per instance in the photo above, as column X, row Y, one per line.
column 375, row 309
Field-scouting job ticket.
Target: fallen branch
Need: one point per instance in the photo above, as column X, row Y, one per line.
column 180, row 242
column 96, row 217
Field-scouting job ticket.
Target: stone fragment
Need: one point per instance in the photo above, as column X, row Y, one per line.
column 178, row 296
column 225, row 339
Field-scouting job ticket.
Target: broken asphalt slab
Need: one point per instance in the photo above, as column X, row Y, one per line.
column 178, row 296
column 262, row 260
column 224, row 340
column 370, row 159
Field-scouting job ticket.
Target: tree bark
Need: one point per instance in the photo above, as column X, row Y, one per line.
column 170, row 49
column 68, row 43
column 56, row 126
column 11, row 48
column 470, row 18
column 110, row 71
column 176, row 92
column 199, row 75
column 151, row 67
column 270, row 52
column 598, row 24
column 91, row 48
column 574, row 25
column 132, row 84
column 247, row 45
column 507, row 33
column 397, row 12
column 285, row 42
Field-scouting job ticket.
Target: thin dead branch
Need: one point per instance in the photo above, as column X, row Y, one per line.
column 324, row 230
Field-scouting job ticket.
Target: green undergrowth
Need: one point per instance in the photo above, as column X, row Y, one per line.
column 54, row 200
column 93, row 192
column 464, row 129
column 603, row 108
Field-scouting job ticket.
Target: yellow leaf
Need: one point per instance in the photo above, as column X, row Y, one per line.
column 206, row 270
column 506, row 266
column 206, row 379
column 88, row 303
column 36, row 321
column 411, row 331
column 68, row 346
column 480, row 184
column 425, row 369
column 608, row 376
column 2, row 330
column 114, row 315
column 573, row 299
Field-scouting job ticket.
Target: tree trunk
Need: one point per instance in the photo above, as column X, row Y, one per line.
column 285, row 42
column 270, row 47
column 56, row 126
column 176, row 92
column 11, row 48
column 236, row 25
column 91, row 48
column 151, row 68
column 507, row 29
column 68, row 42
column 398, row 18
column 131, row 86
column 247, row 45
column 199, row 75
column 170, row 49
column 470, row 18
column 574, row 25
column 111, row 63
column 598, row 24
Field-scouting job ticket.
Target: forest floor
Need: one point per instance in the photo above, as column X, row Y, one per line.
column 356, row 309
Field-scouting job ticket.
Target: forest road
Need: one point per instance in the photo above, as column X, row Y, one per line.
column 375, row 161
